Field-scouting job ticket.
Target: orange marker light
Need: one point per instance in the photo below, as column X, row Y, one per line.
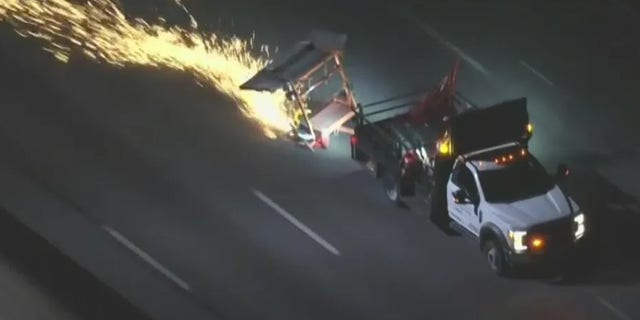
column 537, row 243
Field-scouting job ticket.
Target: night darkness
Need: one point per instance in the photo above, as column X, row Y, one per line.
column 150, row 189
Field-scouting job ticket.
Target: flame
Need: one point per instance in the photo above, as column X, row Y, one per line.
column 101, row 31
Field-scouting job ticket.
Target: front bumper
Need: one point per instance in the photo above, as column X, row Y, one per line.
column 560, row 243
column 558, row 254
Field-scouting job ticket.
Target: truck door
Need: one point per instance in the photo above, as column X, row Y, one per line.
column 463, row 198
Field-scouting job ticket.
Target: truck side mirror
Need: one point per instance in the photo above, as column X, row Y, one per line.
column 562, row 172
column 461, row 197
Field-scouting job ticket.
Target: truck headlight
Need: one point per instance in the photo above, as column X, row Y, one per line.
column 517, row 239
column 578, row 226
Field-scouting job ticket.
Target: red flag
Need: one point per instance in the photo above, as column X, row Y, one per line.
column 438, row 103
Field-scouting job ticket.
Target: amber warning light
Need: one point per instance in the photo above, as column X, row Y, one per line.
column 510, row 157
column 537, row 243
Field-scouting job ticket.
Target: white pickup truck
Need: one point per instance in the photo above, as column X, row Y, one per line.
column 480, row 178
column 503, row 196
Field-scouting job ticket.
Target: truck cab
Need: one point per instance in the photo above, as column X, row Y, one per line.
column 504, row 197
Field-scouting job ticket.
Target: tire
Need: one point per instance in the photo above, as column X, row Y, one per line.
column 391, row 187
column 378, row 170
column 407, row 185
column 439, row 213
column 357, row 154
column 495, row 257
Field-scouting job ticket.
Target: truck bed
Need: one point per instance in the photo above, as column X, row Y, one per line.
column 398, row 129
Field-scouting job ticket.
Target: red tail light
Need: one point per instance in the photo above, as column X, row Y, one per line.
column 410, row 157
column 354, row 140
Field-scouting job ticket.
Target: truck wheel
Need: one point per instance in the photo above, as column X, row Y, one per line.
column 494, row 254
column 439, row 213
column 357, row 154
column 391, row 187
column 378, row 170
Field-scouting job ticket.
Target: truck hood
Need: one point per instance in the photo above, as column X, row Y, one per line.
column 525, row 213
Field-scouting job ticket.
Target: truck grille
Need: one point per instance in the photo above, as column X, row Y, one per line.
column 558, row 233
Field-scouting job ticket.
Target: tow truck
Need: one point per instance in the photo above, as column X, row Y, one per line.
column 471, row 163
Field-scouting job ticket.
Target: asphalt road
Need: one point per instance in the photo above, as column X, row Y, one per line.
column 251, row 228
column 40, row 283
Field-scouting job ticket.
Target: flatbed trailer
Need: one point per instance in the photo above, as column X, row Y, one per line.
column 402, row 145
column 401, row 138
column 402, row 149
column 317, row 62
column 309, row 65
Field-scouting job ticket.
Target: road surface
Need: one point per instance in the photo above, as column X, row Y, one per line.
column 40, row 283
column 164, row 191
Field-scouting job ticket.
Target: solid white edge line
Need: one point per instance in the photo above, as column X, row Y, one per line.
column 295, row 222
column 612, row 308
column 537, row 73
column 147, row 258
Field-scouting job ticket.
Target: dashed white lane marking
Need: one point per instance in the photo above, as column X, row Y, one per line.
column 295, row 222
column 621, row 315
column 616, row 207
column 537, row 73
column 147, row 258
column 634, row 208
column 434, row 34
column 627, row 8
column 629, row 207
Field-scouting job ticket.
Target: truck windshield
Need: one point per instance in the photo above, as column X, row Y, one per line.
column 517, row 181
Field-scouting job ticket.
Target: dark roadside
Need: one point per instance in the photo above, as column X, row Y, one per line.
column 39, row 282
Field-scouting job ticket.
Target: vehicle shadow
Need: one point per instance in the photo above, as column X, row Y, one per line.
column 609, row 253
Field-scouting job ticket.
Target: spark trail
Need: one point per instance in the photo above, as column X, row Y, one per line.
column 101, row 31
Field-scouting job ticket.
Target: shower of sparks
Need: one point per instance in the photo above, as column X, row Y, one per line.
column 100, row 30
